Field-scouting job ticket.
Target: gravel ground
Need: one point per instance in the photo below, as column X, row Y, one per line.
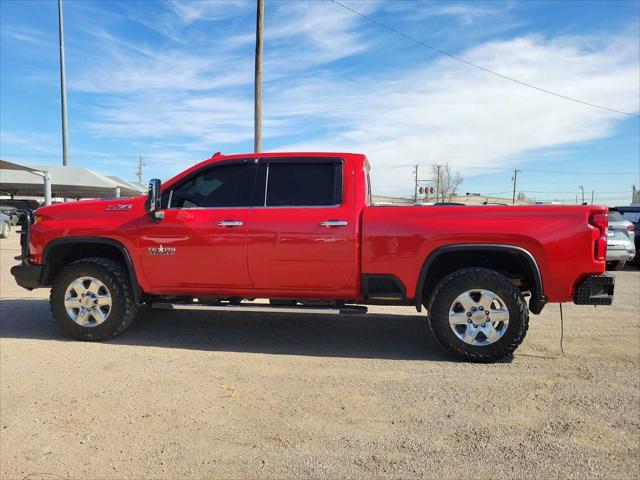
column 183, row 395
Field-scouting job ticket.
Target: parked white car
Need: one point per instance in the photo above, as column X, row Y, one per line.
column 620, row 241
column 5, row 225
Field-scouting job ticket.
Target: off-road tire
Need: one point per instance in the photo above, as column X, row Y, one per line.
column 115, row 278
column 616, row 265
column 477, row 278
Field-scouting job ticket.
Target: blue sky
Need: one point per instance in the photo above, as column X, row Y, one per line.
column 173, row 81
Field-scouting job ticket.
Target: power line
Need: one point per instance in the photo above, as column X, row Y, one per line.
column 479, row 67
column 572, row 192
column 529, row 170
column 579, row 173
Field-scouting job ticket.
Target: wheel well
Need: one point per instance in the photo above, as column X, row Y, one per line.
column 515, row 264
column 58, row 256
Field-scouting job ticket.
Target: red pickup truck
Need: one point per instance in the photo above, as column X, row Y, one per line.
column 300, row 230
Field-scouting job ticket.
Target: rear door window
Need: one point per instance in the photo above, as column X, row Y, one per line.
column 303, row 184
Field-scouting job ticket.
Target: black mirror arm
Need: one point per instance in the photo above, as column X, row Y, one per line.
column 154, row 200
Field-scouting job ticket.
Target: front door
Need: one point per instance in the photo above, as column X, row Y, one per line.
column 202, row 241
column 302, row 235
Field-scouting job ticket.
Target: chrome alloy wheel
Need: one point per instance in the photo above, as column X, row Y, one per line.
column 479, row 317
column 88, row 301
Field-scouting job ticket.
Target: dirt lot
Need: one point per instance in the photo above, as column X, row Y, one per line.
column 277, row 396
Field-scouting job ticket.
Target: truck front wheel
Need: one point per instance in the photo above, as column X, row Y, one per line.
column 92, row 299
column 478, row 315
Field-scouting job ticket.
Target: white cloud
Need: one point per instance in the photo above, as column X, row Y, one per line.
column 26, row 35
column 443, row 112
column 449, row 113
column 189, row 11
column 312, row 33
column 465, row 13
column 180, row 101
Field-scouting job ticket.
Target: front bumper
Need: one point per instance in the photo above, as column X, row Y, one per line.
column 595, row 290
column 28, row 275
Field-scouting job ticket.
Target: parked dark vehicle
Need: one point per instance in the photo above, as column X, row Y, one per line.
column 632, row 214
column 620, row 241
column 10, row 207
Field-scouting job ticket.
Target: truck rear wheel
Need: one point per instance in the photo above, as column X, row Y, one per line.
column 478, row 315
column 92, row 299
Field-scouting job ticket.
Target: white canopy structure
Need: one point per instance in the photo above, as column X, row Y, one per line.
column 64, row 181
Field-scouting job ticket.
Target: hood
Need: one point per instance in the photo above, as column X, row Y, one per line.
column 91, row 207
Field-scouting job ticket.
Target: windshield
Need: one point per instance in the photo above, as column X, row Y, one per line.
column 615, row 216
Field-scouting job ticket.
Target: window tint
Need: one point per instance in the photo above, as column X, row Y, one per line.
column 632, row 216
column 304, row 184
column 217, row 186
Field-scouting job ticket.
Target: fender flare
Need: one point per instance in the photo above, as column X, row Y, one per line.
column 538, row 299
column 137, row 291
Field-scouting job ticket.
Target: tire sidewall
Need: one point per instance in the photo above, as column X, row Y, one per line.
column 118, row 298
column 457, row 283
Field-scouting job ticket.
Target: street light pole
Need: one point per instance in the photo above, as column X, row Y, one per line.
column 582, row 189
column 257, row 112
column 63, row 86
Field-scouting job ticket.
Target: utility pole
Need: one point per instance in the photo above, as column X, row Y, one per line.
column 582, row 188
column 257, row 113
column 63, row 86
column 139, row 170
column 437, row 183
column 515, row 181
column 415, row 190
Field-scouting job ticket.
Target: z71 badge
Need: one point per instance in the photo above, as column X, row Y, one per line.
column 162, row 250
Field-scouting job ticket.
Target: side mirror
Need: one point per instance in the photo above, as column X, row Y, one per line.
column 154, row 199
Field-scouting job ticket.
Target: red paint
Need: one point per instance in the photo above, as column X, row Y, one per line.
column 285, row 252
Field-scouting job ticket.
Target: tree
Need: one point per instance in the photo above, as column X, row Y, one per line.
column 448, row 183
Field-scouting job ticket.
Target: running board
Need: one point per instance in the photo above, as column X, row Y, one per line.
column 346, row 310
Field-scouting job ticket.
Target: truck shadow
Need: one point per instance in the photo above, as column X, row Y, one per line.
column 382, row 336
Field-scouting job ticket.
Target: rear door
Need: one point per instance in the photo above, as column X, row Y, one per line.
column 202, row 241
column 302, row 231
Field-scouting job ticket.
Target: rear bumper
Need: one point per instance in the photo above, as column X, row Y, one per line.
column 595, row 290
column 28, row 276
column 621, row 252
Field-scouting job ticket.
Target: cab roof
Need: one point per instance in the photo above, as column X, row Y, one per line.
column 358, row 158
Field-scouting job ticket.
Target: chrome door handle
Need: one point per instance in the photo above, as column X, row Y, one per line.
column 230, row 223
column 334, row 223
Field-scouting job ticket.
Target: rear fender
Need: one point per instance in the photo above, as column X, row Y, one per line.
column 538, row 299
